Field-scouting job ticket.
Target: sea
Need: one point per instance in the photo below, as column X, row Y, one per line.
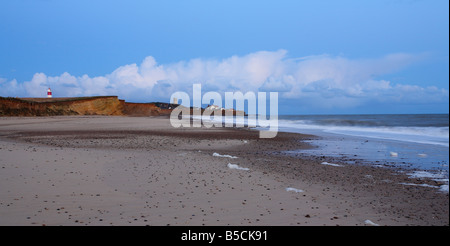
column 418, row 144
column 429, row 129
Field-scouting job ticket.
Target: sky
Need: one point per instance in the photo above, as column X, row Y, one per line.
column 322, row 57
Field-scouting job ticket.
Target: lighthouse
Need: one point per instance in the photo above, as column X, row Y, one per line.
column 49, row 93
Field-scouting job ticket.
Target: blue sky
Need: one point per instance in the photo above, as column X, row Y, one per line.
column 325, row 56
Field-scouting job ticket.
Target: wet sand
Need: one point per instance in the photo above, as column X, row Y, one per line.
column 141, row 171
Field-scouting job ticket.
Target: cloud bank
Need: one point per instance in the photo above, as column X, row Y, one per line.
column 323, row 81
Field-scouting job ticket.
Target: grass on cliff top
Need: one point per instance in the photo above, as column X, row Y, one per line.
column 50, row 100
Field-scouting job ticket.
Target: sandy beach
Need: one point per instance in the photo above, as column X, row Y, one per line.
column 95, row 170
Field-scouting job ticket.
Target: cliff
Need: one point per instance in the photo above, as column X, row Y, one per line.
column 103, row 105
column 145, row 109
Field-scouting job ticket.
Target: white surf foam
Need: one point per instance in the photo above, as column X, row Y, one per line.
column 294, row 190
column 331, row 164
column 444, row 188
column 226, row 156
column 368, row 222
column 425, row 174
column 439, row 177
column 393, row 154
column 235, row 166
column 425, row 135
column 422, row 185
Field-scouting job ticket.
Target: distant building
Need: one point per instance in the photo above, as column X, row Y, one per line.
column 214, row 107
column 49, row 93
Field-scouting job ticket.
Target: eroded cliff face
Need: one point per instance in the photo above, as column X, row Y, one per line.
column 96, row 106
column 144, row 109
column 106, row 105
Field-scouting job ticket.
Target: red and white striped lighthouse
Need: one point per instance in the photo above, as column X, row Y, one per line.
column 49, row 93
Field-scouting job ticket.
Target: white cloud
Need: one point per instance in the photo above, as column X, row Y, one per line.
column 11, row 88
column 323, row 80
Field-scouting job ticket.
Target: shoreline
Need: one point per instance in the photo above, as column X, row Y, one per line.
column 140, row 171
